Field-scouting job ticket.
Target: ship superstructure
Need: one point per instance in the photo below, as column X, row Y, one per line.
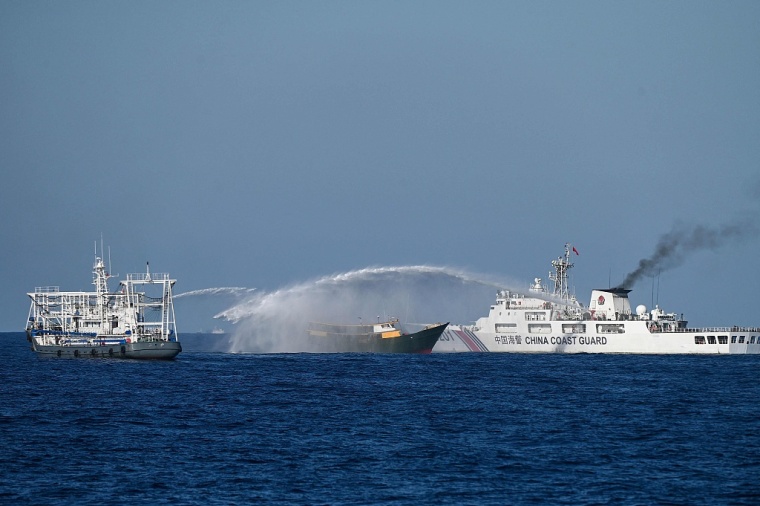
column 136, row 321
column 544, row 321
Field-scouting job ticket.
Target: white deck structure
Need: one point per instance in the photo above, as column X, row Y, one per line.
column 136, row 321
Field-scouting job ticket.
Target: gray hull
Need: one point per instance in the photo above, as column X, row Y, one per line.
column 150, row 350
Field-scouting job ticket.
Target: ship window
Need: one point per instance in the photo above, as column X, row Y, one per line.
column 610, row 328
column 699, row 339
column 710, row 339
column 535, row 316
column 506, row 327
column 733, row 339
column 540, row 328
column 752, row 340
column 741, row 339
column 722, row 339
column 573, row 328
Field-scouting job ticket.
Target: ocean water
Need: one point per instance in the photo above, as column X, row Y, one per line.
column 216, row 428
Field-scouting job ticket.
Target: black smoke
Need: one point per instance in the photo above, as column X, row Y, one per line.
column 675, row 246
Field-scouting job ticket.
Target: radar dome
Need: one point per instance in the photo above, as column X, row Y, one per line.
column 641, row 310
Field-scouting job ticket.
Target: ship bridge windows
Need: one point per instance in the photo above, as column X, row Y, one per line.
column 539, row 328
column 741, row 339
column 710, row 339
column 574, row 328
column 699, row 339
column 502, row 328
column 535, row 316
column 607, row 328
column 722, row 339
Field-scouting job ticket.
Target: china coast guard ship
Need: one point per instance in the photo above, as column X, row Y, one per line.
column 555, row 322
column 137, row 321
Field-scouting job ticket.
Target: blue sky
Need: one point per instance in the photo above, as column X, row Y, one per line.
column 266, row 144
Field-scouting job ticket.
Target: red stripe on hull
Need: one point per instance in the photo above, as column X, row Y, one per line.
column 467, row 340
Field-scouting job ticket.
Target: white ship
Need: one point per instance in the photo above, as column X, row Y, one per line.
column 555, row 322
column 137, row 321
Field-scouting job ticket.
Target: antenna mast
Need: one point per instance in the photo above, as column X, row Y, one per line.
column 561, row 267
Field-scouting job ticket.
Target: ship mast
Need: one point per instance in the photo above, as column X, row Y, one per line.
column 100, row 280
column 561, row 267
column 100, row 276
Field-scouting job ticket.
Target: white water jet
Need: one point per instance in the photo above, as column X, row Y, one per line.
column 236, row 291
column 276, row 322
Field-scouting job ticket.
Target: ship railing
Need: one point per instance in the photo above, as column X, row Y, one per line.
column 47, row 289
column 528, row 306
column 144, row 276
column 151, row 335
column 714, row 329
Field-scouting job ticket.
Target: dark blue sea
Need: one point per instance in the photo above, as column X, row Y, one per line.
column 217, row 428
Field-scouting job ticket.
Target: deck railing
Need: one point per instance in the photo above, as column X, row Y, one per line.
column 47, row 289
column 144, row 276
column 715, row 329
